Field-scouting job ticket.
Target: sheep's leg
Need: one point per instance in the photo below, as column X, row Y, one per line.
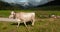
column 33, row 22
column 25, row 23
column 18, row 24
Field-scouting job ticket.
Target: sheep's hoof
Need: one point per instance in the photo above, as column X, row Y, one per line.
column 32, row 24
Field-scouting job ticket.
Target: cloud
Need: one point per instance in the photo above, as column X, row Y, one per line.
column 27, row 2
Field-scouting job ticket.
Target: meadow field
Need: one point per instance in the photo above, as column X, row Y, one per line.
column 43, row 23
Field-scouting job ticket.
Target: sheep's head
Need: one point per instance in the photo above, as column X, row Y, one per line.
column 12, row 15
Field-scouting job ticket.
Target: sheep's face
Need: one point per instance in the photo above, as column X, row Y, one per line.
column 12, row 15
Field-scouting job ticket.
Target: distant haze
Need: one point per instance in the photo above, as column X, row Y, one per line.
column 27, row 2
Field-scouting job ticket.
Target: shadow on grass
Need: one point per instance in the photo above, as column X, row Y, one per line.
column 22, row 24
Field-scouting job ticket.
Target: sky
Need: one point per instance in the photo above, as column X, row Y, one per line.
column 27, row 2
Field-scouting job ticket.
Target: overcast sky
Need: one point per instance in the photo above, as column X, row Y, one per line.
column 32, row 2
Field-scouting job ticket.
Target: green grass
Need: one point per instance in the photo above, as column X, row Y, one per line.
column 40, row 25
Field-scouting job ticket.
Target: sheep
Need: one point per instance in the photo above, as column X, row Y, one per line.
column 24, row 17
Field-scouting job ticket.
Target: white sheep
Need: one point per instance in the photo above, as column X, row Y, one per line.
column 24, row 17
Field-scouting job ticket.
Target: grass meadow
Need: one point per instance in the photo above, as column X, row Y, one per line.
column 42, row 24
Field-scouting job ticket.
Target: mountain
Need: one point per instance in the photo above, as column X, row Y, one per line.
column 4, row 5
